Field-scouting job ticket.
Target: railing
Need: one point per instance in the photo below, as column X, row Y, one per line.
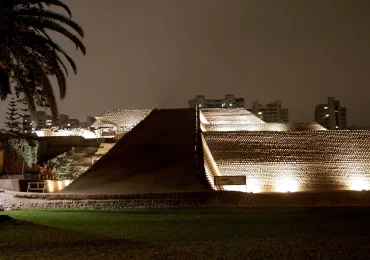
column 36, row 186
column 199, row 157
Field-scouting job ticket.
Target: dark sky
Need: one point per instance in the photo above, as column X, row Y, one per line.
column 145, row 52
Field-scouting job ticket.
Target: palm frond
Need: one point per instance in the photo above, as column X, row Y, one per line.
column 61, row 78
column 43, row 23
column 37, row 2
column 47, row 14
column 32, row 40
column 48, row 92
column 29, row 55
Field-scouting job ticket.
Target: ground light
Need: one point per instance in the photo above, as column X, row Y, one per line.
column 358, row 183
column 286, row 185
column 55, row 186
column 253, row 186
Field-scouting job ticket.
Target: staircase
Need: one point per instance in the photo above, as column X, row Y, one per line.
column 78, row 160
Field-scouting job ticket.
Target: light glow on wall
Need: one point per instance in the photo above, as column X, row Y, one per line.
column 241, row 188
column 56, row 186
column 253, row 186
column 358, row 183
column 67, row 132
column 202, row 118
column 265, row 127
column 287, row 184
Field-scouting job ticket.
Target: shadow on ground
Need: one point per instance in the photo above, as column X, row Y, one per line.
column 26, row 240
column 213, row 233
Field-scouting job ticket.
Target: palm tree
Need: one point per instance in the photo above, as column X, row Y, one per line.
column 28, row 55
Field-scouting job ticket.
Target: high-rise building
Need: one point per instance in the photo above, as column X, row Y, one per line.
column 229, row 101
column 270, row 113
column 43, row 121
column 331, row 115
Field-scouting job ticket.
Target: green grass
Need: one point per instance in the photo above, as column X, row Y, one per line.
column 214, row 233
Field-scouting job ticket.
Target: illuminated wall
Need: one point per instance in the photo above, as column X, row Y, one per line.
column 124, row 119
column 85, row 133
column 56, row 186
column 229, row 116
column 240, row 119
column 265, row 127
column 292, row 160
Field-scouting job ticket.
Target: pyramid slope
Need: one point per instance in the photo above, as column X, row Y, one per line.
column 158, row 155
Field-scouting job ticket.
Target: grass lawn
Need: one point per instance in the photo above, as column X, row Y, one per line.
column 213, row 233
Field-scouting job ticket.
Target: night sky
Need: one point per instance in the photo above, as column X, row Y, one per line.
column 144, row 52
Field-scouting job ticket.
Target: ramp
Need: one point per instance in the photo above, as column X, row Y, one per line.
column 158, row 155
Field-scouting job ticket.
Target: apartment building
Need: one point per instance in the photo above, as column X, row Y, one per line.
column 229, row 101
column 331, row 115
column 270, row 113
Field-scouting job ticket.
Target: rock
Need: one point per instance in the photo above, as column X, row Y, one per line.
column 7, row 202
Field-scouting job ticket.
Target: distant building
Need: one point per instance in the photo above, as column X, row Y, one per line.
column 227, row 102
column 270, row 113
column 44, row 121
column 73, row 123
column 331, row 115
column 63, row 120
column 27, row 124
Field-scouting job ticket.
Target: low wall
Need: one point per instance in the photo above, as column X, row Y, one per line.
column 196, row 199
column 20, row 185
column 13, row 184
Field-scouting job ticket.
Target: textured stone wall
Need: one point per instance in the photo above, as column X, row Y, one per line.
column 265, row 127
column 293, row 161
column 191, row 200
column 123, row 118
column 228, row 116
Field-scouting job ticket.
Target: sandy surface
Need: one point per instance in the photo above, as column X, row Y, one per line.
column 158, row 155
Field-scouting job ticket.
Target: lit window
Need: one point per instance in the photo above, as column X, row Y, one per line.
column 25, row 120
column 327, row 115
column 260, row 113
column 231, row 104
column 325, row 107
column 336, row 127
column 30, row 123
column 200, row 105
